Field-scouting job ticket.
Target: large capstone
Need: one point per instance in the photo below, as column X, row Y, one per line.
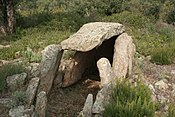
column 92, row 35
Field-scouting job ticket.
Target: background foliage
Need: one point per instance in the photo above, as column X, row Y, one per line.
column 43, row 22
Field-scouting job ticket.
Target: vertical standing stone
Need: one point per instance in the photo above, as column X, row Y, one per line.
column 102, row 98
column 106, row 73
column 41, row 104
column 51, row 57
column 31, row 90
column 123, row 55
column 87, row 109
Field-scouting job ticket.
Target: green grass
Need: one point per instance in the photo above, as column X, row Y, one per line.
column 34, row 38
column 171, row 110
column 128, row 100
column 8, row 70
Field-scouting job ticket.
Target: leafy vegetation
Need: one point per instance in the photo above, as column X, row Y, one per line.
column 128, row 100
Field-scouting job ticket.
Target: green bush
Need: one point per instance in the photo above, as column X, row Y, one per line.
column 164, row 55
column 129, row 19
column 105, row 7
column 8, row 70
column 153, row 10
column 171, row 16
column 130, row 101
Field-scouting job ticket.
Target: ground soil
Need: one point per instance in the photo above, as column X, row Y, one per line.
column 68, row 102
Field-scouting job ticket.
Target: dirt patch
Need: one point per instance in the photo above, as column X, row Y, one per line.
column 68, row 102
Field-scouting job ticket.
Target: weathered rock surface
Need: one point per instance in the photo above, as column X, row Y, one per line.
column 105, row 70
column 35, row 70
column 4, row 46
column 41, row 104
column 51, row 57
column 5, row 101
column 76, row 67
column 102, row 99
column 16, row 80
column 31, row 90
column 161, row 85
column 87, row 109
column 92, row 35
column 20, row 111
column 123, row 55
column 17, row 112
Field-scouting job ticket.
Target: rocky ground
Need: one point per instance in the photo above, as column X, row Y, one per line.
column 161, row 81
column 68, row 102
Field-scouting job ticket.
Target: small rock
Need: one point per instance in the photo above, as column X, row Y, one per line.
column 4, row 46
column 28, row 68
column 41, row 104
column 161, row 98
column 173, row 72
column 31, row 90
column 151, row 87
column 87, row 109
column 161, row 85
column 5, row 101
column 19, row 112
column 16, row 80
column 17, row 54
column 153, row 96
column 98, row 115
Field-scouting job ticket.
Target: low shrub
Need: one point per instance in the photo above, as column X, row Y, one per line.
column 153, row 10
column 129, row 19
column 171, row 16
column 164, row 55
column 130, row 101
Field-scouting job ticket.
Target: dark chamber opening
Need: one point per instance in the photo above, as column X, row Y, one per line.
column 106, row 49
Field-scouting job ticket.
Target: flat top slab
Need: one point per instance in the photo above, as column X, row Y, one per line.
column 92, row 35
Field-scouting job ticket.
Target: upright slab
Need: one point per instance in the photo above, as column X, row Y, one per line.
column 124, row 50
